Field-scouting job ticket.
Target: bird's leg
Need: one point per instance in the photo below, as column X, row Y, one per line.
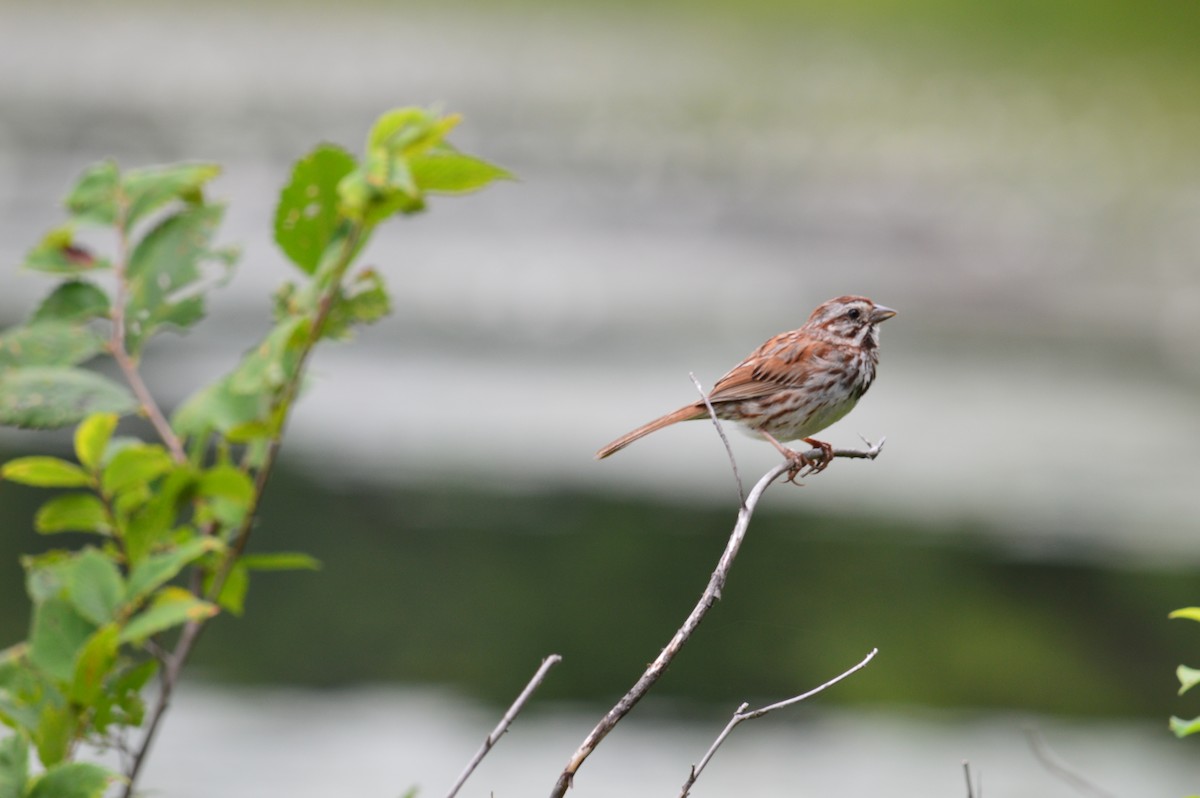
column 798, row 460
column 826, row 454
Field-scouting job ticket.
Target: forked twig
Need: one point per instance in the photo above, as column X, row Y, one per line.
column 505, row 722
column 1050, row 761
column 656, row 669
column 742, row 714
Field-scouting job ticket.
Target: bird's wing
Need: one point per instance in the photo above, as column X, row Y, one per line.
column 784, row 361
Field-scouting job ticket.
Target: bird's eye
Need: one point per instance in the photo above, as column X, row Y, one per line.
column 853, row 313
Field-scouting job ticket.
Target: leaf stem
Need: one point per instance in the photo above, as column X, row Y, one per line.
column 120, row 353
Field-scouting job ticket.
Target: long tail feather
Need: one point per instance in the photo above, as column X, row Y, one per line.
column 687, row 413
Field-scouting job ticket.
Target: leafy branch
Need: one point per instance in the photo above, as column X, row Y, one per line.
column 171, row 520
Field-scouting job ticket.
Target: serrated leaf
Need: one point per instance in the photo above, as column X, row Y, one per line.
column 171, row 607
column 447, row 171
column 152, row 187
column 74, row 300
column 41, row 471
column 58, row 633
column 72, row 780
column 14, row 766
column 48, row 343
column 1190, row 613
column 135, row 465
column 95, row 662
column 94, row 197
column 307, row 214
column 48, row 398
column 158, row 569
column 73, row 512
column 57, row 253
column 163, row 267
column 281, row 561
column 95, row 587
column 1182, row 728
column 92, row 437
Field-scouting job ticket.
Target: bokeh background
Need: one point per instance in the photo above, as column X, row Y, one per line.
column 1020, row 179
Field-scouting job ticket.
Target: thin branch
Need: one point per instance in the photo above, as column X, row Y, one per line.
column 505, row 722
column 712, row 413
column 120, row 354
column 1057, row 767
column 743, row 715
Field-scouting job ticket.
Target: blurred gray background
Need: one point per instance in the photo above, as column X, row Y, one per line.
column 1020, row 181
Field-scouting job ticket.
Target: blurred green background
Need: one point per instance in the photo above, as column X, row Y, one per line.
column 1020, row 179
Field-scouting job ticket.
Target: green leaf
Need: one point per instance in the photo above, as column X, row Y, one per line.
column 94, row 197
column 171, row 607
column 233, row 589
column 166, row 264
column 14, row 766
column 227, row 482
column 48, row 343
column 152, row 187
column 95, row 587
column 218, row 407
column 447, row 171
column 73, row 512
column 72, row 780
column 92, row 437
column 158, row 569
column 271, row 364
column 1188, row 678
column 1191, row 613
column 307, row 214
column 46, row 574
column 410, row 131
column 154, row 522
column 135, row 465
column 96, row 661
column 57, row 253
column 54, row 732
column 1182, row 728
column 281, row 561
column 44, row 472
column 49, row 398
column 363, row 300
column 74, row 300
column 58, row 633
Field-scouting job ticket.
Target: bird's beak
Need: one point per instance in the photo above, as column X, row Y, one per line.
column 881, row 313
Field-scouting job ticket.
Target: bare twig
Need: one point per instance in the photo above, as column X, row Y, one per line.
column 505, row 722
column 1050, row 761
column 712, row 413
column 971, row 791
column 742, row 714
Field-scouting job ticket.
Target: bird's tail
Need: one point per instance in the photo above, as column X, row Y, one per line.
column 687, row 413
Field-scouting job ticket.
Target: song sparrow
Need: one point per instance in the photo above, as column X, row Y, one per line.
column 796, row 384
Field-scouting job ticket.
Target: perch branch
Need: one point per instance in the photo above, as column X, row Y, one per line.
column 742, row 714
column 971, row 792
column 656, row 669
column 506, row 721
column 711, row 594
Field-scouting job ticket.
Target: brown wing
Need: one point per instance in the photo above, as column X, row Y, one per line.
column 785, row 361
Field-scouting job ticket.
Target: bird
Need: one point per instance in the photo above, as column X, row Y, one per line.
column 794, row 385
